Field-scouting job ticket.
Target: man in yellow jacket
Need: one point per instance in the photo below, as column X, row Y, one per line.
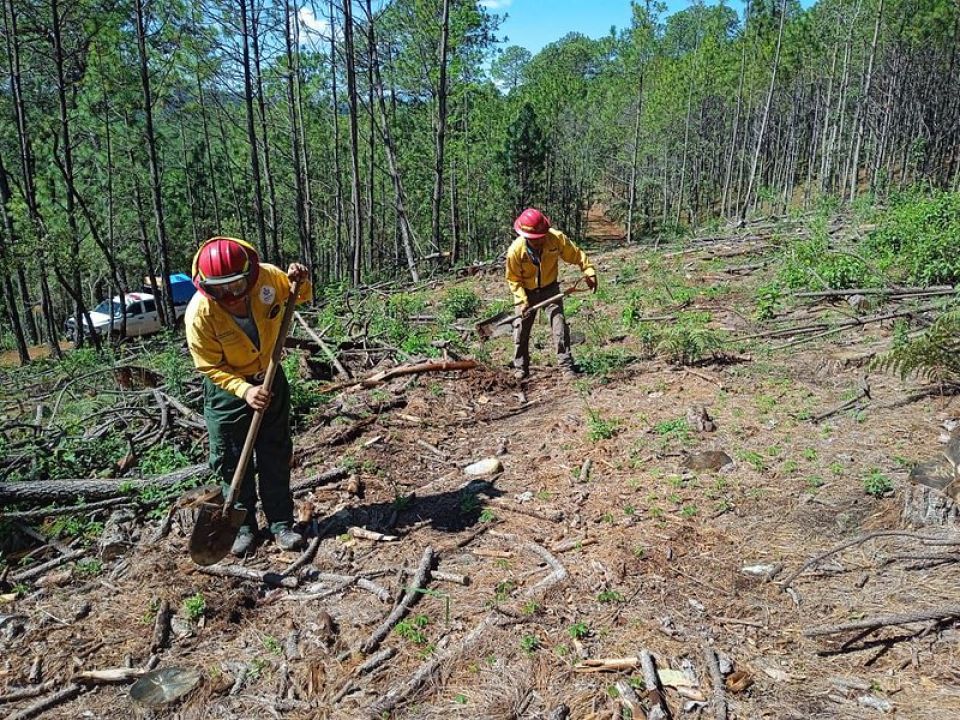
column 532, row 266
column 232, row 325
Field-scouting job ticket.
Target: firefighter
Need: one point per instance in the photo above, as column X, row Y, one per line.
column 532, row 266
column 232, row 324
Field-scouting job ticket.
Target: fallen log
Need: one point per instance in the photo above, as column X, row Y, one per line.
column 303, row 486
column 655, row 694
column 420, row 581
column 719, row 700
column 880, row 621
column 448, row 655
column 63, row 491
column 414, row 369
column 67, row 693
column 893, row 292
column 245, row 573
column 40, row 569
column 65, row 509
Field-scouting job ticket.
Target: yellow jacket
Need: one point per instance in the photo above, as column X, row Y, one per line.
column 221, row 350
column 523, row 274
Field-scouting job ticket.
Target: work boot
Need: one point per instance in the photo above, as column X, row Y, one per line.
column 570, row 372
column 288, row 539
column 243, row 542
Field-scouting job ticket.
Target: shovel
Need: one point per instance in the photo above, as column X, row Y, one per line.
column 217, row 526
column 502, row 323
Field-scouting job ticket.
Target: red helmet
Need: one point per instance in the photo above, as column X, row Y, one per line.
column 225, row 266
column 532, row 224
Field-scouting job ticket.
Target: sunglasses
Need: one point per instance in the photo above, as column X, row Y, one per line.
column 226, row 291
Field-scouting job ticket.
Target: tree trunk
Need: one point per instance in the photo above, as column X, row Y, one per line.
column 632, row 202
column 335, row 112
column 292, row 36
column 766, row 114
column 67, row 491
column 167, row 295
column 392, row 166
column 27, row 168
column 255, row 179
column 10, row 297
column 862, row 109
column 265, row 137
column 208, row 154
column 441, row 129
column 356, row 229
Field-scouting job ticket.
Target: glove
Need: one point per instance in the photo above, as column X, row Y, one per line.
column 591, row 282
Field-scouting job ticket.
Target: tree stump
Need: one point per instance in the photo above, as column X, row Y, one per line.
column 116, row 536
column 929, row 498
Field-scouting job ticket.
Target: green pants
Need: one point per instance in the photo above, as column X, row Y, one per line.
column 228, row 419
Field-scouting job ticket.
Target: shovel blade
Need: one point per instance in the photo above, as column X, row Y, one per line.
column 497, row 325
column 214, row 533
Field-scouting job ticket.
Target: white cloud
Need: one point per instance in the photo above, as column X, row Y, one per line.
column 312, row 22
column 496, row 4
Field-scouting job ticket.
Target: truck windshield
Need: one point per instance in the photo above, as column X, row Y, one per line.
column 108, row 307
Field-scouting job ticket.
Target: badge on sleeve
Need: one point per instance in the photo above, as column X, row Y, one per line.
column 268, row 294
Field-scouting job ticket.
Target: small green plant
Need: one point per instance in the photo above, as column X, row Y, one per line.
column 598, row 428
column 195, row 606
column 877, row 484
column 768, row 300
column 689, row 511
column 687, row 341
column 412, row 629
column 610, row 596
column 502, row 590
column 150, row 614
column 89, row 567
column 814, row 482
column 460, row 699
column 754, row 458
column 578, row 630
column 272, row 645
column 531, row 607
column 487, row 515
column 529, row 643
column 810, row 454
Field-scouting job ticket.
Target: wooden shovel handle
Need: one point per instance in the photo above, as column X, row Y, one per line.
column 559, row 296
column 258, row 414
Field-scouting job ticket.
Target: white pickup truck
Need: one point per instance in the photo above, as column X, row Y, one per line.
column 141, row 312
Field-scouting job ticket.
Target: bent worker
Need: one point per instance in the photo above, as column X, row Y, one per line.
column 232, row 325
column 532, row 267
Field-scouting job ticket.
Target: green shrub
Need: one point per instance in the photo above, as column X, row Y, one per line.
column 461, row 303
column 916, row 240
column 877, row 484
column 604, row 360
column 812, row 265
column 687, row 340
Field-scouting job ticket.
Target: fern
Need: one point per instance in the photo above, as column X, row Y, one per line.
column 934, row 355
column 688, row 341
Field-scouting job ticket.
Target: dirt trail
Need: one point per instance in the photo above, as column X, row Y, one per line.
column 655, row 554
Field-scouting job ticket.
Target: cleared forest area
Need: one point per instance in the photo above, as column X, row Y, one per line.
column 737, row 490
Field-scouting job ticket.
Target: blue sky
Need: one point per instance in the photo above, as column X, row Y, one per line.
column 535, row 23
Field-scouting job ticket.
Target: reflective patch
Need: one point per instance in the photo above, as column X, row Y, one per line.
column 268, row 294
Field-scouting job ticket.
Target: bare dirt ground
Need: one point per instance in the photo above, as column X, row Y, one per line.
column 653, row 554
